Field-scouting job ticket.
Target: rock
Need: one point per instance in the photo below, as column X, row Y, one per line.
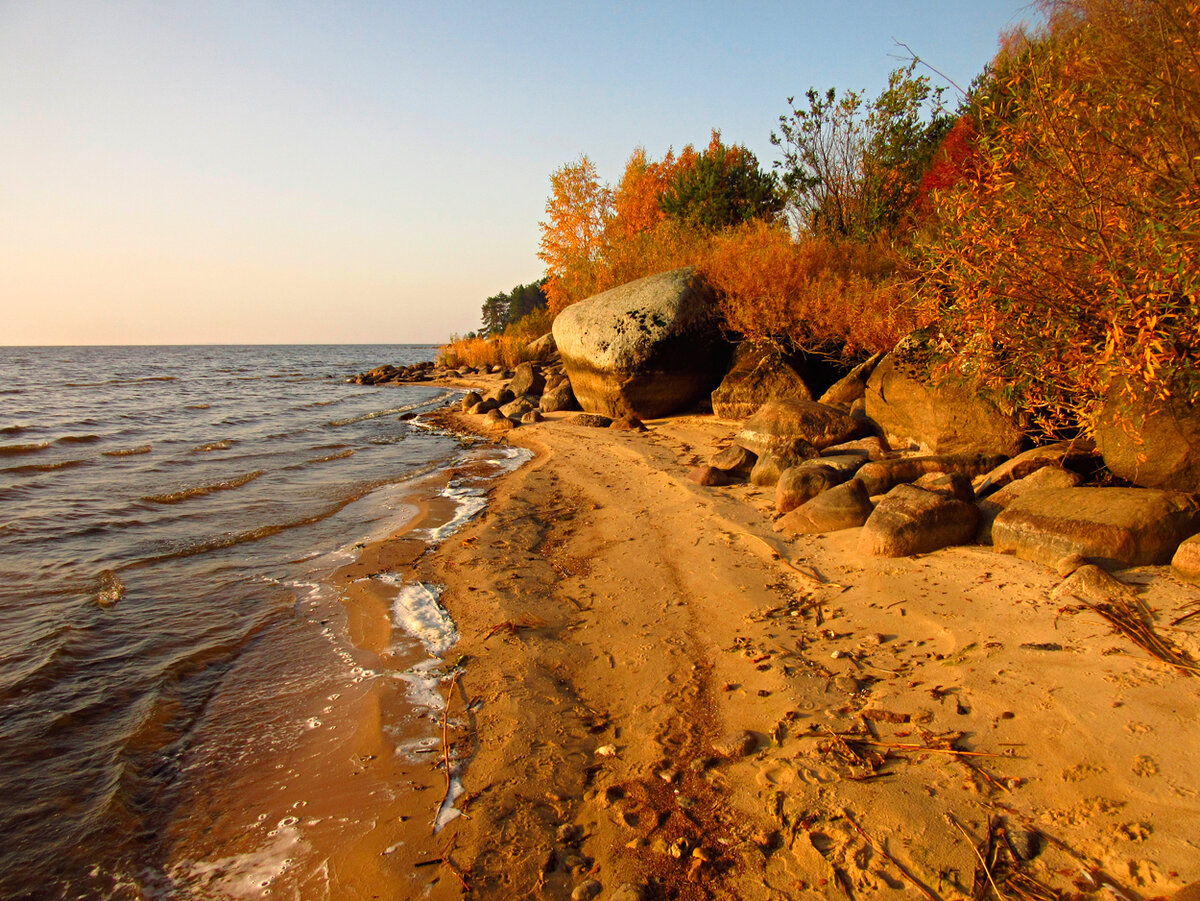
column 736, row 744
column 585, row 890
column 1062, row 454
column 792, row 426
column 569, row 834
column 1190, row 892
column 628, row 424
column 1040, row 479
column 769, row 467
column 710, row 476
column 559, row 396
column 528, row 379
column 852, row 386
column 911, row 520
column 1114, row 527
column 542, row 348
column 846, row 506
column 533, row 416
column 498, row 422
column 591, row 420
column 648, row 348
column 1091, row 583
column 881, row 476
column 1070, row 563
column 873, row 447
column 470, row 399
column 945, row 419
column 735, row 460
column 479, row 409
column 517, row 408
column 799, row 484
column 951, row 484
column 1186, row 561
column 502, row 395
column 758, row 374
column 845, row 465
column 1149, row 442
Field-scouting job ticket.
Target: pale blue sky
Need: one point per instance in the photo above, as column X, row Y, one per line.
column 233, row 171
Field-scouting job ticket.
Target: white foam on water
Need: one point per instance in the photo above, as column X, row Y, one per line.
column 417, row 611
column 448, row 812
column 248, row 875
column 422, row 682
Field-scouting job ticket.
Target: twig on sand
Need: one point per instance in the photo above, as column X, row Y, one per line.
column 982, row 863
column 917, row 883
column 808, row 572
column 446, row 743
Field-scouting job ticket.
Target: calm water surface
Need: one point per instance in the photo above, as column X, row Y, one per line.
column 163, row 511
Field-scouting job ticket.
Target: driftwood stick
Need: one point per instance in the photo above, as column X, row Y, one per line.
column 982, row 862
column 446, row 746
column 808, row 572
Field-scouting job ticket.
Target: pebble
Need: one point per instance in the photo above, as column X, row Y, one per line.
column 569, row 834
column 737, row 744
column 585, row 890
column 847, row 684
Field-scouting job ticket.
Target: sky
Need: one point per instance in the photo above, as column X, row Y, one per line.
column 256, row 171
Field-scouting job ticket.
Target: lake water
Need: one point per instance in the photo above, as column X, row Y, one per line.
column 164, row 511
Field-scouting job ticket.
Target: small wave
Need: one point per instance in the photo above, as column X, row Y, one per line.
column 152, row 378
column 127, row 451
column 200, row 490
column 13, row 450
column 79, row 439
column 14, row 429
column 213, row 446
column 340, row 455
column 197, row 406
column 336, row 423
column 44, row 467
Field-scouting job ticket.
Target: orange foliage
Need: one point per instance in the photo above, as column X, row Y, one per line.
column 578, row 208
column 507, row 349
column 1070, row 256
column 819, row 293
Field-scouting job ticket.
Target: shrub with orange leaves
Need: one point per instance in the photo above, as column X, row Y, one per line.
column 817, row 293
column 1072, row 252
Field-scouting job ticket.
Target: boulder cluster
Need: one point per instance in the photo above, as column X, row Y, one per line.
column 915, row 463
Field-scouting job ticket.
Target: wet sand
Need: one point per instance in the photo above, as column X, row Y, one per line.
column 663, row 697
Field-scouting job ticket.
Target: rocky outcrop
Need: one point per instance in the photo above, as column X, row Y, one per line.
column 845, row 506
column 1186, row 561
column 1113, row 527
column 759, row 374
column 649, row 348
column 592, row 420
column 558, row 397
column 783, row 427
column 883, row 475
column 735, row 460
column 798, row 485
column 1046, row 477
column 1150, row 442
column 910, row 520
column 913, row 411
column 852, row 386
column 528, row 379
column 1078, row 452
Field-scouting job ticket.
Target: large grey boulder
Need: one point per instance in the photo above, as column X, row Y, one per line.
column 759, row 374
column 1149, row 442
column 1113, row 527
column 913, row 411
column 649, row 348
column 910, row 520
column 784, row 427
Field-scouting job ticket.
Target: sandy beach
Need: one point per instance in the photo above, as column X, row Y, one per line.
column 661, row 697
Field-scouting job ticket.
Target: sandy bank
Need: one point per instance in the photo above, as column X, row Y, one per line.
column 624, row 627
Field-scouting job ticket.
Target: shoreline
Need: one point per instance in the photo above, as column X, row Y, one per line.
column 666, row 699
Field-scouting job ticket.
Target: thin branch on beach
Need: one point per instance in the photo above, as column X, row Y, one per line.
column 446, row 746
column 808, row 572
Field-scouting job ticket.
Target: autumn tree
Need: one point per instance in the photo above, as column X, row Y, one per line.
column 722, row 187
column 1069, row 257
column 509, row 307
column 576, row 213
column 853, row 167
